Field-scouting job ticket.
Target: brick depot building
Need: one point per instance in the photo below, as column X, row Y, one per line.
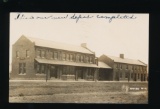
column 124, row 69
column 34, row 58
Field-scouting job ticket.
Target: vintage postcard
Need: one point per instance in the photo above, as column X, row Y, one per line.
column 79, row 58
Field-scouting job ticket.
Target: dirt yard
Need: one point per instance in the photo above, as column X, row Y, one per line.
column 76, row 92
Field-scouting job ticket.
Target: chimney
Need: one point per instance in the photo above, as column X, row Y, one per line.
column 122, row 56
column 84, row 45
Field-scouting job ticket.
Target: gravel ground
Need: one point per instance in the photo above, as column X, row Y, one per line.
column 110, row 97
column 75, row 92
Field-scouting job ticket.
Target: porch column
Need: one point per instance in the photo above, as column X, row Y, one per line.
column 129, row 76
column 76, row 74
column 94, row 78
column 86, row 73
column 145, row 77
column 97, row 74
column 48, row 71
column 141, row 77
column 118, row 75
column 136, row 76
column 60, row 72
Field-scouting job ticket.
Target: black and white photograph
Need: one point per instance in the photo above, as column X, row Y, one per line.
column 78, row 58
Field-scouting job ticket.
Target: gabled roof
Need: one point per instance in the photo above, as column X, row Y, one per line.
column 103, row 65
column 126, row 61
column 57, row 45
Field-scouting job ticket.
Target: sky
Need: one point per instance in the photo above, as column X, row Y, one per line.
column 121, row 35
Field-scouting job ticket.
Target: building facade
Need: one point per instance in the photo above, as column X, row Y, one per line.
column 125, row 69
column 39, row 59
column 34, row 58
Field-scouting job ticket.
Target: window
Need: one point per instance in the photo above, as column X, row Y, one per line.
column 38, row 68
column 135, row 75
column 43, row 54
column 135, row 68
column 140, row 68
column 126, row 66
column 38, row 53
column 121, row 66
column 42, row 68
column 64, row 56
column 77, row 58
column 64, row 70
column 90, row 73
column 120, row 74
column 55, row 55
column 132, row 75
column 70, row 70
column 71, row 57
column 87, row 59
column 132, row 67
column 91, row 60
column 116, row 65
column 27, row 53
column 67, row 57
column 138, row 75
column 82, row 58
column 51, row 54
column 22, row 68
column 17, row 54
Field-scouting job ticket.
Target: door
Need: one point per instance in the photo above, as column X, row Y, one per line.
column 53, row 72
column 80, row 74
column 141, row 77
column 135, row 77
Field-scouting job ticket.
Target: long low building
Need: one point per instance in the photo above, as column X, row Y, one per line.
column 124, row 69
column 34, row 58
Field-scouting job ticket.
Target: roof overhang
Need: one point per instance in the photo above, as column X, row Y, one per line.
column 57, row 62
column 103, row 65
